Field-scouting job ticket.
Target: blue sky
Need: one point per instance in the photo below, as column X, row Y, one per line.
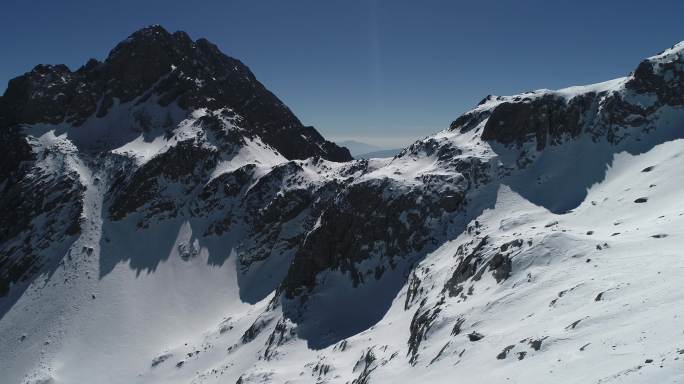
column 383, row 71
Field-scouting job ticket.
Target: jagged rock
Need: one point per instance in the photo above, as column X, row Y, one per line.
column 171, row 67
column 502, row 355
column 466, row 268
column 151, row 70
column 420, row 325
column 475, row 336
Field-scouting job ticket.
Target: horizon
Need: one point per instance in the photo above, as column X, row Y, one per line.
column 401, row 73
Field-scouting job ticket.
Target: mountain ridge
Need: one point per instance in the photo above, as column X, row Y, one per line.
column 196, row 251
column 172, row 67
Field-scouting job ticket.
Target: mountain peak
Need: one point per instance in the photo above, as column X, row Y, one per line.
column 154, row 64
column 148, row 41
column 150, row 30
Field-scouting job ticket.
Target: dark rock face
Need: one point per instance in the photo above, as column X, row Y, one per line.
column 475, row 258
column 549, row 118
column 469, row 261
column 475, row 336
column 26, row 195
column 420, row 326
column 15, row 151
column 546, row 118
column 183, row 166
column 170, row 67
column 376, row 217
column 469, row 120
column 664, row 78
column 271, row 210
column 41, row 207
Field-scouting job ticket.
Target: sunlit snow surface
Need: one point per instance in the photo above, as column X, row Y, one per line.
column 555, row 283
column 594, row 294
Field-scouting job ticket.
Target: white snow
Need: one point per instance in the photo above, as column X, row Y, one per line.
column 253, row 152
column 594, row 294
column 570, row 92
column 167, row 311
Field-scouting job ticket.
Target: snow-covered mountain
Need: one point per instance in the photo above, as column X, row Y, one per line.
column 166, row 219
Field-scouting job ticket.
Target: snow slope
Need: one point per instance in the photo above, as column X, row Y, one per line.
column 593, row 297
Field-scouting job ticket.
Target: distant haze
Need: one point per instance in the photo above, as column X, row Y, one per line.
column 357, row 147
column 362, row 150
column 378, row 142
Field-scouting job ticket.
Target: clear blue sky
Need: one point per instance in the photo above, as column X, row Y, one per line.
column 381, row 71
